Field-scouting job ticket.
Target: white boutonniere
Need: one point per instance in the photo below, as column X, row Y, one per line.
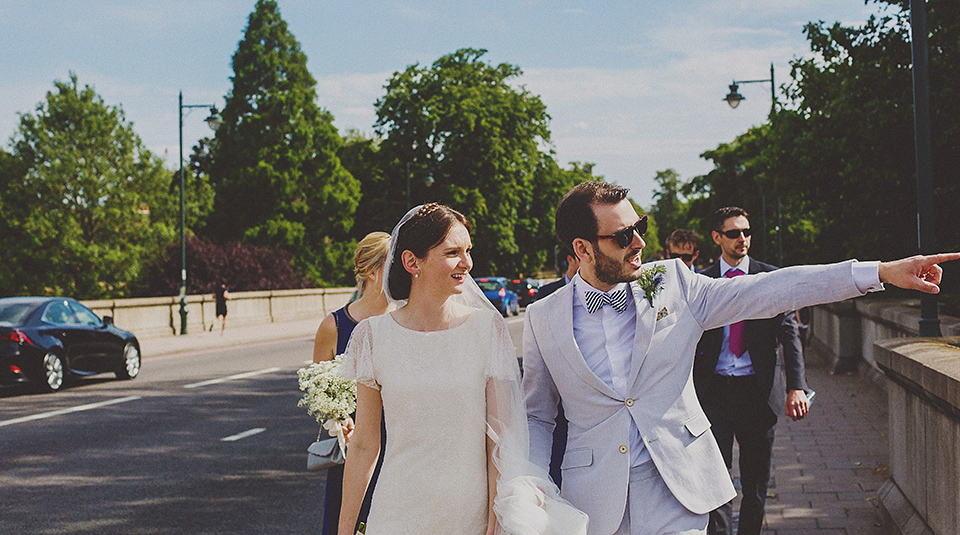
column 651, row 282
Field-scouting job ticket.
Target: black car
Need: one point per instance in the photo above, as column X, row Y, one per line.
column 526, row 290
column 46, row 340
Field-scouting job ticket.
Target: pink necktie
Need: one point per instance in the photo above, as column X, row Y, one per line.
column 737, row 345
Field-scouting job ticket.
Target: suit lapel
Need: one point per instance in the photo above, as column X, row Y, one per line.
column 561, row 327
column 646, row 323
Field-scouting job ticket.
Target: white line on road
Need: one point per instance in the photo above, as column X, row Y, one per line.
column 61, row 412
column 232, row 377
column 245, row 434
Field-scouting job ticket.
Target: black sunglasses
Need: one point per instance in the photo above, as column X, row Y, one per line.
column 686, row 257
column 735, row 233
column 624, row 237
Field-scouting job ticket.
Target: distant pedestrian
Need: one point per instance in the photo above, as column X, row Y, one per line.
column 685, row 245
column 221, row 295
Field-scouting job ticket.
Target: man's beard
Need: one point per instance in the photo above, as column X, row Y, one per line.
column 610, row 270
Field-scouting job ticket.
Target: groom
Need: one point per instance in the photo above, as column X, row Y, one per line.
column 618, row 354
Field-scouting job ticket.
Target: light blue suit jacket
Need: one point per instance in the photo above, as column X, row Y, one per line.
column 661, row 399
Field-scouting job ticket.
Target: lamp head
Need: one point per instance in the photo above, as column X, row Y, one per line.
column 215, row 119
column 733, row 98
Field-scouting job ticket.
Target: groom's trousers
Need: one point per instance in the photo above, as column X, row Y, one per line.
column 653, row 510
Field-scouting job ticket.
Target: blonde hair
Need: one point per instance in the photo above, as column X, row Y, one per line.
column 370, row 256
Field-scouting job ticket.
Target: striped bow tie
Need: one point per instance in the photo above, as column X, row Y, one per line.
column 617, row 299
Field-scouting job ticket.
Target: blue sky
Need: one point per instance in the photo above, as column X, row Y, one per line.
column 632, row 86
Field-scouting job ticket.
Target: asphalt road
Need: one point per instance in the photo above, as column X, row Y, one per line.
column 204, row 442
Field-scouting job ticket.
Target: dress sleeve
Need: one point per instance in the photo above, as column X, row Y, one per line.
column 502, row 362
column 357, row 362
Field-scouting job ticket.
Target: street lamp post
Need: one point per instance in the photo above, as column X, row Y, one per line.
column 926, row 236
column 734, row 98
column 427, row 181
column 214, row 121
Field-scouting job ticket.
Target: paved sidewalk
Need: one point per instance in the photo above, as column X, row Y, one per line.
column 828, row 467
column 232, row 336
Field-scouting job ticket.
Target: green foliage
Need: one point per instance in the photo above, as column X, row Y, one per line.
column 84, row 203
column 535, row 234
column 274, row 162
column 669, row 208
column 461, row 122
column 848, row 147
column 363, row 158
column 839, row 155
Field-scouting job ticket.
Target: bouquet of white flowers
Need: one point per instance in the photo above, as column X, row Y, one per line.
column 327, row 396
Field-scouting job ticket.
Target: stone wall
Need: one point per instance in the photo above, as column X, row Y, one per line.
column 922, row 495
column 844, row 333
column 151, row 317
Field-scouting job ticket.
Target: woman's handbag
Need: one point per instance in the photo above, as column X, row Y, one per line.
column 324, row 453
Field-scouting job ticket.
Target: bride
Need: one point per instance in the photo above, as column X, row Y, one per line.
column 442, row 371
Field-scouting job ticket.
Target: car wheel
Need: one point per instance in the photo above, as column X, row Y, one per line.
column 131, row 363
column 54, row 373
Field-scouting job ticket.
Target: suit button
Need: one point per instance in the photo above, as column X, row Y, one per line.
column 623, row 448
column 629, row 402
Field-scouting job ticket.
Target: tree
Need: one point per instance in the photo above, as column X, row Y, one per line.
column 535, row 234
column 274, row 162
column 363, row 158
column 242, row 266
column 461, row 122
column 91, row 203
column 669, row 209
column 839, row 153
column 847, row 146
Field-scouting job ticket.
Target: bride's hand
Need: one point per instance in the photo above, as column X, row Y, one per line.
column 347, row 428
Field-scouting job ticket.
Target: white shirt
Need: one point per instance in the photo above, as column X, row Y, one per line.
column 605, row 339
column 727, row 362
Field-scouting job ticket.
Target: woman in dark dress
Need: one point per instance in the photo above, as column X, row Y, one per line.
column 331, row 340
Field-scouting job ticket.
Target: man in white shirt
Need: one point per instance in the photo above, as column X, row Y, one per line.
column 618, row 354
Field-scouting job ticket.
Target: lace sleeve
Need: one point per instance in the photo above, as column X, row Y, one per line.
column 358, row 360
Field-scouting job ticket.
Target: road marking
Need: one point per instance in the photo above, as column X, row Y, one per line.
column 245, row 434
column 232, row 377
column 61, row 412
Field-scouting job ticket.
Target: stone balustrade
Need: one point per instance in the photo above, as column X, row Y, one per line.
column 150, row 317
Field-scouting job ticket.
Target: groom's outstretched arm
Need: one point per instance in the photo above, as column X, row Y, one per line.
column 920, row 272
column 540, row 395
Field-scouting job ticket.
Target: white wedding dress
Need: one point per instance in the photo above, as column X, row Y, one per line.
column 433, row 387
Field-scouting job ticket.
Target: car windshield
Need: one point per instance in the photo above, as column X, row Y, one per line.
column 489, row 286
column 15, row 312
